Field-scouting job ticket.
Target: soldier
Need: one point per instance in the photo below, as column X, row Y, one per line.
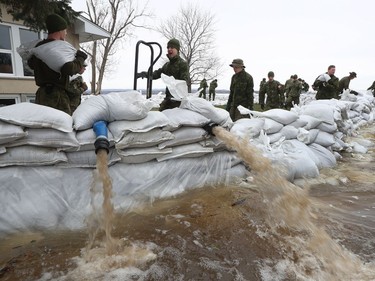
column 211, row 89
column 305, row 86
column 345, row 81
column 327, row 87
column 176, row 67
column 203, row 86
column 275, row 93
column 372, row 88
column 76, row 88
column 262, row 83
column 294, row 91
column 241, row 90
column 287, row 85
column 52, row 90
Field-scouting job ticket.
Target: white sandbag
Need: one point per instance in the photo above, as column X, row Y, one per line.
column 87, row 159
column 312, row 122
column 328, row 128
column 86, row 140
column 48, row 138
column 321, row 111
column 271, row 126
column 185, row 135
column 183, row 117
column 207, row 109
column 33, row 115
column 289, row 132
column 177, row 88
column 299, row 123
column 111, row 107
column 247, row 127
column 275, row 137
column 215, row 143
column 306, row 136
column 142, row 155
column 326, row 158
column 282, row 116
column 31, row 156
column 130, row 105
column 154, row 119
column 187, row 150
column 144, row 139
column 358, row 148
column 55, row 53
column 324, row 139
column 2, row 150
column 324, row 77
column 10, row 132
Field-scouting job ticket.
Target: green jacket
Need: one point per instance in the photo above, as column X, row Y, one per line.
column 241, row 90
column 344, row 84
column 53, row 86
column 213, row 86
column 203, row 85
column 295, row 88
column 327, row 90
column 176, row 67
column 275, row 94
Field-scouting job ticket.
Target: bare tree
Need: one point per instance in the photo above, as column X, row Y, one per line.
column 195, row 31
column 119, row 18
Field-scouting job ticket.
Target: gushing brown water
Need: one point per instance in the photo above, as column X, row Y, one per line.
column 104, row 218
column 290, row 212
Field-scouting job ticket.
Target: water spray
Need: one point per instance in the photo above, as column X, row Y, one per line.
column 101, row 132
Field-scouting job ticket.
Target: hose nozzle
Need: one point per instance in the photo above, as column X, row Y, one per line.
column 101, row 132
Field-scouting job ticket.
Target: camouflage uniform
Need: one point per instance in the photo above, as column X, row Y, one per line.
column 52, row 90
column 305, row 86
column 294, row 91
column 287, row 85
column 326, row 90
column 344, row 84
column 211, row 89
column 75, row 89
column 372, row 88
column 177, row 68
column 241, row 93
column 275, row 94
column 203, row 86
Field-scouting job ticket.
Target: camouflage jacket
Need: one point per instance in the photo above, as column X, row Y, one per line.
column 344, row 84
column 176, row 67
column 295, row 88
column 213, row 86
column 45, row 75
column 203, row 84
column 275, row 94
column 327, row 90
column 241, row 90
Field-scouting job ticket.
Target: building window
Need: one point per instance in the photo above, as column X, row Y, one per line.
column 12, row 36
column 6, row 64
column 25, row 37
column 9, row 100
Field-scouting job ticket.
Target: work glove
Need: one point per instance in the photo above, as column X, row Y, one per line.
column 262, row 106
column 354, row 92
column 81, row 54
column 142, row 74
column 208, row 128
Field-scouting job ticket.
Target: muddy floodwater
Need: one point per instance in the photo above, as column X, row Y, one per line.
column 263, row 229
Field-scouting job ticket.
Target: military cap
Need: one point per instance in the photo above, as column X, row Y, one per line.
column 55, row 23
column 174, row 43
column 237, row 62
column 353, row 74
column 271, row 74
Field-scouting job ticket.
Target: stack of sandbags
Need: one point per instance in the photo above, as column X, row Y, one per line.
column 309, row 137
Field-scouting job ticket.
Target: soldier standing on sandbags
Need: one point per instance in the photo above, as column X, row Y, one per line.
column 275, row 93
column 176, row 67
column 345, row 81
column 241, row 90
column 52, row 90
column 327, row 89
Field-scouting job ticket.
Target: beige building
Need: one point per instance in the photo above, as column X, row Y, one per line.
column 16, row 78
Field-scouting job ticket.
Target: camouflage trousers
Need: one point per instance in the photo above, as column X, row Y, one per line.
column 168, row 103
column 290, row 100
column 55, row 97
column 211, row 93
column 235, row 114
column 202, row 93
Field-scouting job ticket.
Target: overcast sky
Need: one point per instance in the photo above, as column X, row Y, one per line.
column 300, row 37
